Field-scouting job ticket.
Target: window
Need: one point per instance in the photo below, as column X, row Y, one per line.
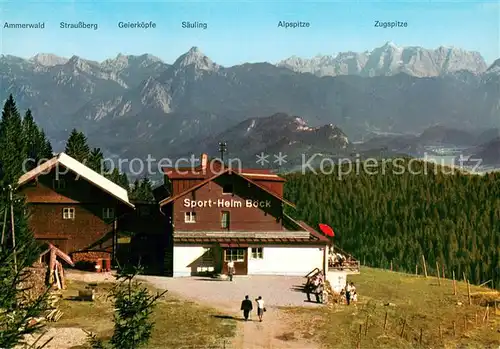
column 234, row 254
column 224, row 221
column 257, row 253
column 108, row 213
column 60, row 184
column 227, row 189
column 189, row 217
column 68, row 213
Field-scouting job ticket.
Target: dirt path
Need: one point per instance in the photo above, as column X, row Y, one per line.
column 273, row 332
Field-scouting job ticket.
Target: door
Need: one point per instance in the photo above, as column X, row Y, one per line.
column 240, row 258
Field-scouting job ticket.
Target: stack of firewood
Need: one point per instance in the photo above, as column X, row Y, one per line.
column 53, row 313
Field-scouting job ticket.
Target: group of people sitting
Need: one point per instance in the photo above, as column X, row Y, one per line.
column 316, row 286
column 338, row 260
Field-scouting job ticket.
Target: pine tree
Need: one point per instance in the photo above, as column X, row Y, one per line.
column 142, row 190
column 119, row 178
column 96, row 161
column 123, row 181
column 47, row 151
column 77, row 146
column 36, row 145
column 11, row 142
column 134, row 306
column 16, row 307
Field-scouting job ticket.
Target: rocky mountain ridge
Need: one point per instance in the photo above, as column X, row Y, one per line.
column 390, row 59
column 271, row 135
column 137, row 105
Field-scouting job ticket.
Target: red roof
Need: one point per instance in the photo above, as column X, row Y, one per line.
column 214, row 176
column 215, row 167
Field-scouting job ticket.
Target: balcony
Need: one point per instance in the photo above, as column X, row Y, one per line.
column 341, row 261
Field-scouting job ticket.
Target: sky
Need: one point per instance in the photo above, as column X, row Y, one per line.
column 247, row 31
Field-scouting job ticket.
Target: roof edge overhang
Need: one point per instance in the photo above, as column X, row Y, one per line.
column 49, row 165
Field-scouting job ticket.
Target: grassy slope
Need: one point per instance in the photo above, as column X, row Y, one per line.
column 177, row 323
column 424, row 304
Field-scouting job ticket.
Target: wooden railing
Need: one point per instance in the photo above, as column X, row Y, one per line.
column 352, row 266
column 312, row 273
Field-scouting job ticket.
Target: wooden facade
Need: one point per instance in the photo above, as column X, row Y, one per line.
column 228, row 211
column 73, row 214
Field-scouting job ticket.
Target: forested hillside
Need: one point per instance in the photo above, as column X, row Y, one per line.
column 453, row 219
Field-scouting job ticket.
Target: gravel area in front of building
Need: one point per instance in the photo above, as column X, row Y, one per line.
column 277, row 291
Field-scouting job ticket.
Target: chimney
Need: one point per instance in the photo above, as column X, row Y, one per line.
column 204, row 161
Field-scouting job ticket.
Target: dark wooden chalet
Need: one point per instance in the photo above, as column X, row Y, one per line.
column 74, row 208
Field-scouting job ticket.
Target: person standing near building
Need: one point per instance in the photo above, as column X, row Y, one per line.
column 260, row 307
column 348, row 292
column 247, row 307
column 230, row 270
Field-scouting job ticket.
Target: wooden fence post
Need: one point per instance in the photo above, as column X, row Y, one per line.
column 420, row 339
column 416, row 269
column 385, row 322
column 454, row 329
column 358, row 346
column 425, row 266
column 465, row 279
column 454, row 284
column 403, row 329
column 443, row 274
column 391, row 264
column 366, row 325
column 485, row 317
column 437, row 269
column 468, row 293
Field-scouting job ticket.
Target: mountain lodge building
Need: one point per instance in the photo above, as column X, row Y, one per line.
column 218, row 214
column 203, row 217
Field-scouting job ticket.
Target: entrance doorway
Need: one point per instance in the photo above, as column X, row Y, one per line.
column 240, row 258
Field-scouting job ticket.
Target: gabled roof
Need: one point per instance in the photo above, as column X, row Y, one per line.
column 198, row 172
column 227, row 171
column 81, row 170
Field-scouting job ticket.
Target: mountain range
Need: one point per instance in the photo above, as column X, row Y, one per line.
column 132, row 106
column 391, row 59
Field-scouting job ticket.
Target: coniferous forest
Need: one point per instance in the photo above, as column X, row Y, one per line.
column 450, row 218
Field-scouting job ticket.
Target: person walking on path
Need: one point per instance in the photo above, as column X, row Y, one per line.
column 247, row 307
column 260, row 308
column 230, row 270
